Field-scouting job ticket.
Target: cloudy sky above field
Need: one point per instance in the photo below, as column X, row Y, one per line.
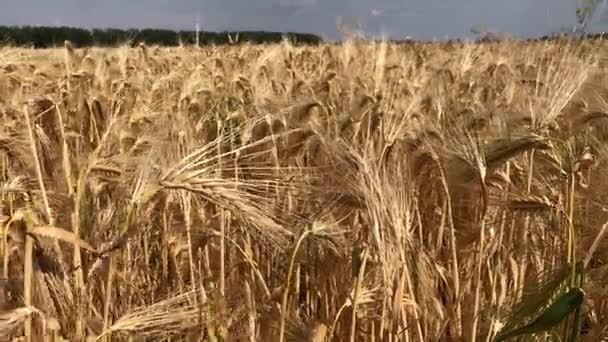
column 422, row 19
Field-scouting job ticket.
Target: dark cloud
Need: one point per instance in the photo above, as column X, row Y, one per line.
column 417, row 18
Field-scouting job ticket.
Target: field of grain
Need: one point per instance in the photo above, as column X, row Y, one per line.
column 364, row 191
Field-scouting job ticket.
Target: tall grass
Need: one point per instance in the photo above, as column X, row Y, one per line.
column 367, row 191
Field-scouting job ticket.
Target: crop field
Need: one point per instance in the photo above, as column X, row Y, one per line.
column 362, row 191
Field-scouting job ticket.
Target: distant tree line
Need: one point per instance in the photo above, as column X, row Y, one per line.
column 46, row 36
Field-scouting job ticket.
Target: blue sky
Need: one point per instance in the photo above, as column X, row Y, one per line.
column 423, row 19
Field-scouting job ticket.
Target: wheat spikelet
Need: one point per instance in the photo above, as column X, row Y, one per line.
column 11, row 319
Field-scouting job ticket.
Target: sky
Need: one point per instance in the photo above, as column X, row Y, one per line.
column 419, row 19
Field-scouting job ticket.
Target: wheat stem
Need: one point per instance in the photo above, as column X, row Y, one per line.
column 284, row 301
column 357, row 288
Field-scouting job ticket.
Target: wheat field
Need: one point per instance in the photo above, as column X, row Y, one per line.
column 362, row 191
